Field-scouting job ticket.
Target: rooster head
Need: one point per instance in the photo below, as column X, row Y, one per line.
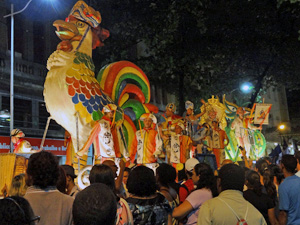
column 74, row 27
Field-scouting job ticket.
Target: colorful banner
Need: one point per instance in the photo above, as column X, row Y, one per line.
column 261, row 115
column 55, row 146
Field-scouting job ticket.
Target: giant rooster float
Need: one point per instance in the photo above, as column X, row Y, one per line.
column 74, row 97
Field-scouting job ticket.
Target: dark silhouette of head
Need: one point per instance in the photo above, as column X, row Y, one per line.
column 141, row 182
column 95, row 205
column 289, row 162
column 232, row 177
column 102, row 174
column 43, row 169
column 16, row 210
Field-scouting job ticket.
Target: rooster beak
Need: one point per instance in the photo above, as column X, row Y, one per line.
column 65, row 30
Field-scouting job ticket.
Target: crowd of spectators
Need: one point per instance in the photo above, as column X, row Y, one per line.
column 266, row 194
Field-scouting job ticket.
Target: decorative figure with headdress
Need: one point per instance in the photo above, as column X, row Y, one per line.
column 215, row 110
column 191, row 119
column 107, row 137
column 219, row 140
column 180, row 145
column 20, row 145
column 147, row 144
column 165, row 127
column 241, row 126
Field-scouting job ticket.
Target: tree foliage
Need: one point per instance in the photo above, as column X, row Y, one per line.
column 198, row 48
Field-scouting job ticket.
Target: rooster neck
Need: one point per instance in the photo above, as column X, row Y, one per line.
column 85, row 44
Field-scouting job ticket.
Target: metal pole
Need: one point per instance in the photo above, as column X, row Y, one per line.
column 11, row 122
column 12, row 53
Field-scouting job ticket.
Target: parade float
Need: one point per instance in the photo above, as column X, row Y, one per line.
column 75, row 96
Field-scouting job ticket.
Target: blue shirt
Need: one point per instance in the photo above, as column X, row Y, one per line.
column 289, row 199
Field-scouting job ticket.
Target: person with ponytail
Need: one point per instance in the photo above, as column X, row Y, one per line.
column 261, row 201
column 266, row 179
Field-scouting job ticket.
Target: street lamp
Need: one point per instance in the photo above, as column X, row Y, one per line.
column 246, row 87
column 11, row 15
column 281, row 127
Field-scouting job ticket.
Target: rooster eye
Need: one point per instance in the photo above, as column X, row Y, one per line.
column 79, row 24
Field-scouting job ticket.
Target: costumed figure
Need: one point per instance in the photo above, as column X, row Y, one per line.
column 20, row 145
column 165, row 127
column 219, row 140
column 241, row 126
column 241, row 131
column 191, row 119
column 107, row 137
column 215, row 110
column 180, row 145
column 146, row 144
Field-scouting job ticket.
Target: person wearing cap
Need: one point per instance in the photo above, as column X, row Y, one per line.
column 191, row 118
column 219, row 140
column 72, row 189
column 20, row 145
column 188, row 186
column 107, row 138
column 165, row 127
column 180, row 145
column 146, row 144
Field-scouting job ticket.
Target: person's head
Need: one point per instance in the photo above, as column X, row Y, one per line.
column 253, row 181
column 109, row 111
column 61, row 183
column 18, row 186
column 16, row 210
column 141, row 182
column 268, row 159
column 112, row 165
column 205, row 177
column 288, row 163
column 215, row 124
column 212, row 114
column 226, row 161
column 231, row 177
column 126, row 175
column 189, row 166
column 70, row 174
column 179, row 127
column 261, row 166
column 95, row 205
column 278, row 174
column 148, row 122
column 189, row 106
column 170, row 109
column 240, row 112
column 16, row 134
column 148, row 119
column 102, row 174
column 43, row 169
column 165, row 174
